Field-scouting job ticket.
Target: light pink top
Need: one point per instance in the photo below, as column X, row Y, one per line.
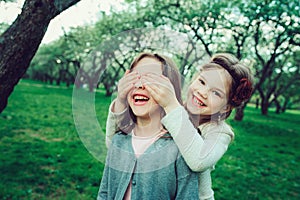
column 140, row 145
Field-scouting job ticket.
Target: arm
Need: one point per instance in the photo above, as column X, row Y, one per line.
column 118, row 115
column 116, row 121
column 205, row 186
column 111, row 126
column 199, row 153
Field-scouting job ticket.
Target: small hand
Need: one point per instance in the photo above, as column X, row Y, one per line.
column 125, row 84
column 162, row 90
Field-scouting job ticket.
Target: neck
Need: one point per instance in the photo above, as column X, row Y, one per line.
column 148, row 127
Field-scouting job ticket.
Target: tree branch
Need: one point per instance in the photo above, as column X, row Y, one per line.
column 19, row 43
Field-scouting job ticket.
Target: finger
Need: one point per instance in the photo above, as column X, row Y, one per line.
column 154, row 87
column 129, row 78
column 158, row 77
column 154, row 91
column 149, row 80
column 131, row 75
column 125, row 85
column 153, row 79
column 157, row 81
column 127, row 71
column 165, row 78
column 151, row 74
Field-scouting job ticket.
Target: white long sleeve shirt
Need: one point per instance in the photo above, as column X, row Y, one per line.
column 201, row 152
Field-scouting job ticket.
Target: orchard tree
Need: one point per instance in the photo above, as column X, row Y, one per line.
column 276, row 35
column 19, row 43
column 263, row 32
column 288, row 80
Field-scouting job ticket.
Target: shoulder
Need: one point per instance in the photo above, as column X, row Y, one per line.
column 165, row 139
column 120, row 137
column 166, row 144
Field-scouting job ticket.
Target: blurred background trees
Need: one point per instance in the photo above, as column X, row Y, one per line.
column 264, row 34
column 20, row 41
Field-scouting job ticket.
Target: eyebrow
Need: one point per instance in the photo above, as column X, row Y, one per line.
column 220, row 90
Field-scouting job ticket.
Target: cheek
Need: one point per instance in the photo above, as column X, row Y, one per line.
column 191, row 88
column 189, row 93
column 217, row 104
column 129, row 97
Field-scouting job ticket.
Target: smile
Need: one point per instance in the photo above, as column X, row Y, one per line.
column 197, row 102
column 140, row 99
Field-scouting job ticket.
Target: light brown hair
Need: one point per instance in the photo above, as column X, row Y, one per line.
column 241, row 85
column 169, row 69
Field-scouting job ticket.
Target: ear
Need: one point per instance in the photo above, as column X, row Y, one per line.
column 226, row 108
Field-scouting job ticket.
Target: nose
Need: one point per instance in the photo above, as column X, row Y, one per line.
column 203, row 91
column 139, row 84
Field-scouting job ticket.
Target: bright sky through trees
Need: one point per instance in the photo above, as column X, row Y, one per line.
column 84, row 12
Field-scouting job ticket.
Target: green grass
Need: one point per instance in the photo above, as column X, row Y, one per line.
column 42, row 156
column 263, row 160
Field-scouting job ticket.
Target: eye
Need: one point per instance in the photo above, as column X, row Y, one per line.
column 201, row 81
column 215, row 92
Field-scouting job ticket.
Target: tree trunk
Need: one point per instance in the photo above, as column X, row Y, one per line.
column 286, row 101
column 257, row 103
column 264, row 107
column 239, row 114
column 19, row 43
column 278, row 107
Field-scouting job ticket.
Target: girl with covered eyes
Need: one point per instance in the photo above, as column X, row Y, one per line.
column 199, row 128
column 145, row 163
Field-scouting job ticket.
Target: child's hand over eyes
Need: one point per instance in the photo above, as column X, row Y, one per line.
column 162, row 90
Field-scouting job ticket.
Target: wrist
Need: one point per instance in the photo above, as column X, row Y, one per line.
column 119, row 106
column 171, row 106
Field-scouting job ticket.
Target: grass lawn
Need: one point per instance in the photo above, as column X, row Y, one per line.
column 43, row 157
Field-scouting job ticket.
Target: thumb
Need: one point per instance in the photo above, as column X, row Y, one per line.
column 127, row 71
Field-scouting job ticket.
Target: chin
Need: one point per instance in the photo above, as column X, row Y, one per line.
column 139, row 113
column 193, row 109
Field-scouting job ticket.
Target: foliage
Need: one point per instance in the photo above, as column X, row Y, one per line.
column 43, row 157
column 261, row 33
column 103, row 57
column 275, row 38
column 7, row 1
column 20, row 41
column 3, row 27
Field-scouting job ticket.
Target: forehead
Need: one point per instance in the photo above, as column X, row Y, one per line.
column 148, row 65
column 217, row 78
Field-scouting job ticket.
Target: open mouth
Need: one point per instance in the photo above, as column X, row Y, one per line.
column 140, row 98
column 198, row 102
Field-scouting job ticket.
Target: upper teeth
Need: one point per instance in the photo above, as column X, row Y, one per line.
column 198, row 102
column 140, row 98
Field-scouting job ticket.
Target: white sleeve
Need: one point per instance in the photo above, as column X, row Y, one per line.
column 200, row 153
column 205, row 185
column 111, row 126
